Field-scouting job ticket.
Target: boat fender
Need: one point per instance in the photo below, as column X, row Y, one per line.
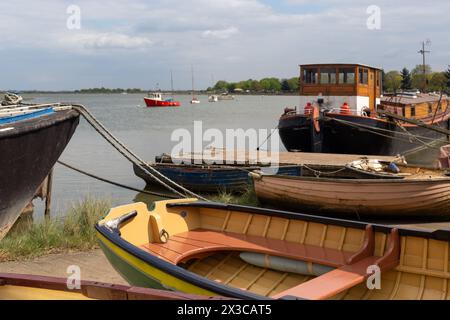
column 256, row 175
column 316, row 117
column 284, row 264
column 393, row 168
column 345, row 109
column 308, row 109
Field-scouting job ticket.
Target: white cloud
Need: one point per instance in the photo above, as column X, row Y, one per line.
column 141, row 40
column 106, row 41
column 220, row 34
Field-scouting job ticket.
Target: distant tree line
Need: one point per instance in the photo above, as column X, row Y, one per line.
column 266, row 85
column 107, row 90
column 394, row 80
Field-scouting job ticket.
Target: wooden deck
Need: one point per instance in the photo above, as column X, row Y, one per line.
column 223, row 156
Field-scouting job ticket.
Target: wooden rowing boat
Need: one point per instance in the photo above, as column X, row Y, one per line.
column 254, row 253
column 421, row 193
column 31, row 287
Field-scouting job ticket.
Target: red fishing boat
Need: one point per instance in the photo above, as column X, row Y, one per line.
column 155, row 100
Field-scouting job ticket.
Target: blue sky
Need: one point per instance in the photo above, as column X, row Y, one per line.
column 136, row 43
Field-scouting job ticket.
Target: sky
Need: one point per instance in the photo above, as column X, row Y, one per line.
column 49, row 45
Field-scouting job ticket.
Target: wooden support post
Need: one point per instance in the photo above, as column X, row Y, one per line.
column 48, row 196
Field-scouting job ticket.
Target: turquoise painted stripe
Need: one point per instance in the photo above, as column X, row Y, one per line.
column 35, row 114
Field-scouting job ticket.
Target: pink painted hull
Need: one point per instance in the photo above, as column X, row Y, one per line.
column 161, row 103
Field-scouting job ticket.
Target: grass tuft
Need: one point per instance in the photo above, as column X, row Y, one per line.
column 74, row 232
column 247, row 198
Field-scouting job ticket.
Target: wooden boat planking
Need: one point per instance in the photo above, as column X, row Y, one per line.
column 423, row 192
column 32, row 287
column 209, row 178
column 194, row 247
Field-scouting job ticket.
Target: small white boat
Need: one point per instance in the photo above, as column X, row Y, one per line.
column 213, row 98
column 195, row 101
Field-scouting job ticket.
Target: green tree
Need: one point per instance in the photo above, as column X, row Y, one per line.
column 438, row 81
column 293, row 83
column 231, row 86
column 285, row 85
column 447, row 76
column 418, row 79
column 406, row 79
column 270, row 84
column 383, row 82
column 221, row 85
column 255, row 86
column 393, row 81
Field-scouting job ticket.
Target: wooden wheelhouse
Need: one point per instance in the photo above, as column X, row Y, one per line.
column 333, row 85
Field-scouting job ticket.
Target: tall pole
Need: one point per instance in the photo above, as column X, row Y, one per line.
column 192, row 72
column 171, row 83
column 423, row 52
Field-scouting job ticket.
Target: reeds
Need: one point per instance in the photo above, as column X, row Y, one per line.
column 73, row 232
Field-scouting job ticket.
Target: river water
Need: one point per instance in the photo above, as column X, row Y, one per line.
column 147, row 131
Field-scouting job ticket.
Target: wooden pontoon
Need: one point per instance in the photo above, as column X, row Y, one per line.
column 422, row 193
column 31, row 287
column 254, row 253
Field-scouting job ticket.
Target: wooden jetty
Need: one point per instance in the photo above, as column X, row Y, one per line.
column 224, row 156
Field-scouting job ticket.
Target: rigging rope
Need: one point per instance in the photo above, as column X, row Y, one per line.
column 372, row 130
column 132, row 157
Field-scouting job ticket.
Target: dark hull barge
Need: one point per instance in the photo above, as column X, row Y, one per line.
column 30, row 145
column 342, row 111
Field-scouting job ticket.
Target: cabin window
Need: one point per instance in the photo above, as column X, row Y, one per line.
column 363, row 76
column 310, row 76
column 430, row 108
column 378, row 79
column 347, row 76
column 413, row 110
column 328, row 76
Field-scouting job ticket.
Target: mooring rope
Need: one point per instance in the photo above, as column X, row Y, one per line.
column 153, row 193
column 131, row 156
column 372, row 130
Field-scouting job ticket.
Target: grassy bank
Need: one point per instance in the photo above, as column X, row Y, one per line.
column 248, row 198
column 74, row 232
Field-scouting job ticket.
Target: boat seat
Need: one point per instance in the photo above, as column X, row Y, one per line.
column 330, row 283
column 351, row 267
column 346, row 276
column 187, row 245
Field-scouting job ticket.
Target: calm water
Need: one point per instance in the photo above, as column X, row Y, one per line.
column 147, row 131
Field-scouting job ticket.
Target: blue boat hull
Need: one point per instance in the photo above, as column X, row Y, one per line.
column 211, row 179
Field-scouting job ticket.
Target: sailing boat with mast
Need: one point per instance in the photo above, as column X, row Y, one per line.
column 194, row 98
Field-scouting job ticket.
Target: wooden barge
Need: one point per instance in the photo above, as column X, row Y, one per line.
column 339, row 113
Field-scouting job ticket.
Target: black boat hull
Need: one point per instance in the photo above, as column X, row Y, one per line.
column 346, row 134
column 29, row 150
